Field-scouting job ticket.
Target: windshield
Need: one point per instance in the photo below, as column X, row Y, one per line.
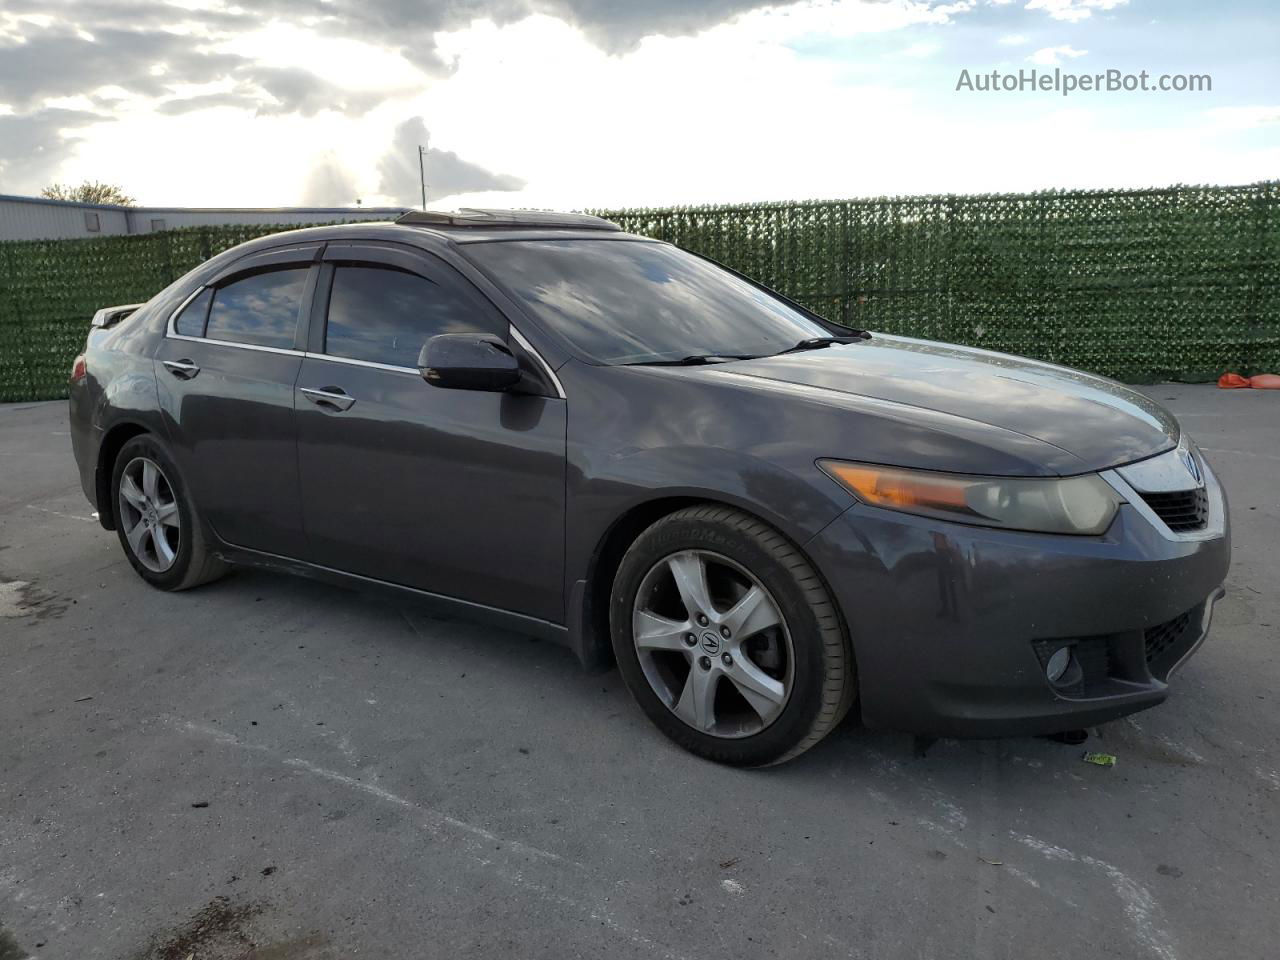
column 622, row 301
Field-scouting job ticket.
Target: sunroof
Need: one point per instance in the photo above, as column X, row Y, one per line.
column 474, row 217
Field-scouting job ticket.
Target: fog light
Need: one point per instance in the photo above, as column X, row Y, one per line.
column 1058, row 664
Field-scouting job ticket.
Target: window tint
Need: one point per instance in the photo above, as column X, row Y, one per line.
column 261, row 309
column 385, row 315
column 625, row 301
column 190, row 322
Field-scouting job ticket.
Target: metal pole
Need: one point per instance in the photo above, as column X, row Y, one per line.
column 422, row 174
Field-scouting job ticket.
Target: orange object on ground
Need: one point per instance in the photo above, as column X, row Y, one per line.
column 1260, row 381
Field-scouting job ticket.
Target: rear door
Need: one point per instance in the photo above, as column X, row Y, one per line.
column 226, row 371
column 455, row 492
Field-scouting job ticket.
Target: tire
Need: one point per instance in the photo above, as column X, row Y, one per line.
column 159, row 528
column 789, row 669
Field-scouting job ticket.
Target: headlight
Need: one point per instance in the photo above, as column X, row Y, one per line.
column 1079, row 505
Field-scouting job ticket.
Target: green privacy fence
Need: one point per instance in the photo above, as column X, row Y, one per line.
column 1180, row 283
column 49, row 290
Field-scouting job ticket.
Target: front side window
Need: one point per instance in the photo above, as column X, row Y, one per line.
column 190, row 322
column 260, row 309
column 385, row 315
column 622, row 301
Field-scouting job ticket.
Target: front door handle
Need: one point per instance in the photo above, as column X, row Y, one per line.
column 334, row 397
column 182, row 369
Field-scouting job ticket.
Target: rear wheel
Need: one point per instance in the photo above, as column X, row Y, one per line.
column 728, row 639
column 156, row 521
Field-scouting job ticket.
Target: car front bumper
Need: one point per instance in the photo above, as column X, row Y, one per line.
column 952, row 625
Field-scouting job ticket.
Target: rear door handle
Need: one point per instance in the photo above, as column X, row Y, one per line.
column 182, row 369
column 334, row 397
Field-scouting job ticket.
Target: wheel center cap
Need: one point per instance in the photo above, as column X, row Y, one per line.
column 711, row 642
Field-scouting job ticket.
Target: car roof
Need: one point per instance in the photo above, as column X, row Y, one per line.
column 435, row 234
column 477, row 218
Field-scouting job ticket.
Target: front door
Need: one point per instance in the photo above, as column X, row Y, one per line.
column 455, row 492
column 226, row 371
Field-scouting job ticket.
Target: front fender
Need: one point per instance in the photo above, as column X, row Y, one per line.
column 627, row 492
column 797, row 499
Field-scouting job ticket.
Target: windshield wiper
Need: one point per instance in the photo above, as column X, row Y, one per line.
column 817, row 343
column 694, row 360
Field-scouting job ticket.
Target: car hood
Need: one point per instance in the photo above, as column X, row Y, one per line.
column 1099, row 422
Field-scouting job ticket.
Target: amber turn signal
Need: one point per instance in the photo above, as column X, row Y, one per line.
column 1083, row 504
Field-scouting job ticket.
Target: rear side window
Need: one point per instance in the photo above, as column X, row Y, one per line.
column 190, row 322
column 384, row 315
column 261, row 309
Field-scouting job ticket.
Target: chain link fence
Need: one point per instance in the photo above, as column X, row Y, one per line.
column 1142, row 285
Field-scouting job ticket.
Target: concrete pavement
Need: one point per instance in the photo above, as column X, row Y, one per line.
column 272, row 768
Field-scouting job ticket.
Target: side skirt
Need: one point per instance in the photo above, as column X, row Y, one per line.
column 433, row 602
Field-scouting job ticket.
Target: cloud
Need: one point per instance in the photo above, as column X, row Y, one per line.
column 539, row 98
column 329, row 184
column 447, row 174
column 1073, row 11
column 32, row 145
column 293, row 90
column 57, row 61
column 1012, row 40
column 618, row 27
column 1053, row 56
column 58, row 49
column 206, row 101
column 99, row 42
column 129, row 14
column 271, row 91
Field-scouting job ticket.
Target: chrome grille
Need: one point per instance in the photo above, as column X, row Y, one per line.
column 1181, row 510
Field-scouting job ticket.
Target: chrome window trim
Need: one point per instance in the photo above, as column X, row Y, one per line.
column 394, row 368
column 363, row 363
column 519, row 338
column 237, row 345
column 172, row 334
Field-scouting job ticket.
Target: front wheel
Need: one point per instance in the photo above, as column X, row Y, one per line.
column 728, row 639
column 156, row 520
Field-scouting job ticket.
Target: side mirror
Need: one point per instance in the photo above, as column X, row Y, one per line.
column 469, row 361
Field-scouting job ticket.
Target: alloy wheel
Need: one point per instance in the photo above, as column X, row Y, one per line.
column 713, row 643
column 149, row 514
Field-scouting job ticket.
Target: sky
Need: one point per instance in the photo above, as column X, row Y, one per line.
column 578, row 104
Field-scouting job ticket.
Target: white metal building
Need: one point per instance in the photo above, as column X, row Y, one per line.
column 37, row 218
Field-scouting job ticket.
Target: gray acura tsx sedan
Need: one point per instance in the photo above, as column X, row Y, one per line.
column 765, row 518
